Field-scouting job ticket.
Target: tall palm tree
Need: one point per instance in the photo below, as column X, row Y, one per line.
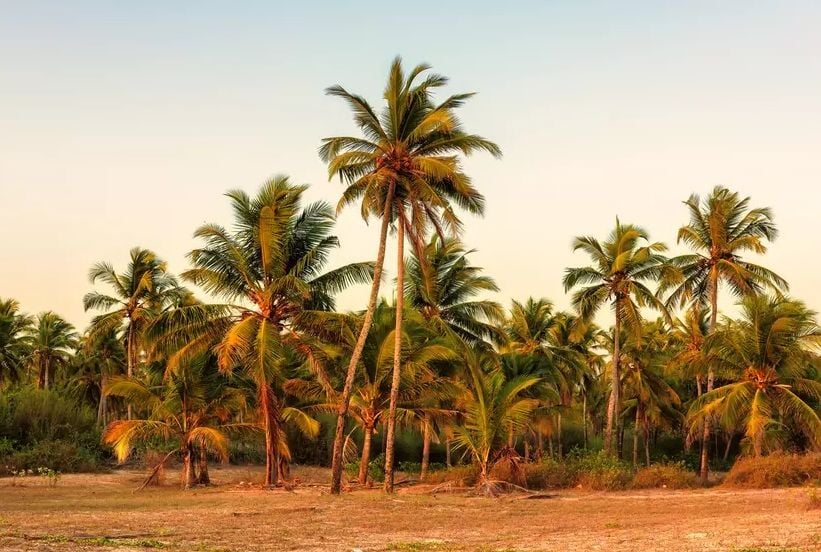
column 406, row 169
column 52, row 341
column 722, row 227
column 773, row 351
column 623, row 266
column 269, row 269
column 14, row 348
column 139, row 295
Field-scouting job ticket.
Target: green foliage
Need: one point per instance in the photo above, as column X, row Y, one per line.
column 667, row 476
column 376, row 468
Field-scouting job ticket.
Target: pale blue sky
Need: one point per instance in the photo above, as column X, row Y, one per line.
column 122, row 124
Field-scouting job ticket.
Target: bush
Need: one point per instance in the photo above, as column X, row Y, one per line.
column 459, row 475
column 376, row 469
column 550, row 474
column 62, row 456
column 665, row 476
column 29, row 415
column 775, row 470
column 600, row 471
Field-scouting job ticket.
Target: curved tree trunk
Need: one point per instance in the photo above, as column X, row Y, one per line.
column 397, row 352
column 423, row 473
column 345, row 399
column 704, row 471
column 365, row 459
column 615, row 384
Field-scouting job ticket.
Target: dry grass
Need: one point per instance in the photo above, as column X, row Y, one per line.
column 101, row 512
column 775, row 470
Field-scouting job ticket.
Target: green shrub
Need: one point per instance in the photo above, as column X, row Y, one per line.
column 600, row 471
column 665, row 476
column 29, row 415
column 62, row 456
column 549, row 474
column 775, row 470
column 459, row 475
column 376, row 469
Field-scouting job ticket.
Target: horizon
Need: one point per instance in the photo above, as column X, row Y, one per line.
column 122, row 129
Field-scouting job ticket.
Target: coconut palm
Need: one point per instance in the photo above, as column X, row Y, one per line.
column 494, row 407
column 623, row 266
column 93, row 364
column 270, row 270
column 52, row 341
column 14, row 349
column 773, row 352
column 405, row 169
column 652, row 399
column 191, row 406
column 722, row 228
column 139, row 295
column 443, row 287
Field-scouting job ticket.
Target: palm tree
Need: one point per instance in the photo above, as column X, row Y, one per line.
column 139, row 295
column 533, row 328
column 773, row 352
column 14, row 348
column 721, row 229
column 191, row 406
column 622, row 268
column 495, row 406
column 270, row 270
column 443, row 286
column 653, row 400
column 93, row 365
column 406, row 170
column 52, row 341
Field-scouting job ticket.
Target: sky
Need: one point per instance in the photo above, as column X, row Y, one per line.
column 122, row 124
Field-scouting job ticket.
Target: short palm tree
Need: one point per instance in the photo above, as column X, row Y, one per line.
column 139, row 295
column 270, row 270
column 623, row 266
column 722, row 227
column 93, row 365
column 406, row 170
column 14, row 329
column 52, row 341
column 773, row 352
column 494, row 407
column 191, row 407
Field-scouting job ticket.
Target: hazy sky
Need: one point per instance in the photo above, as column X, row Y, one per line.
column 122, row 123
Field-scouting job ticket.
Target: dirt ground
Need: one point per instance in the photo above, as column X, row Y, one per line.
column 102, row 512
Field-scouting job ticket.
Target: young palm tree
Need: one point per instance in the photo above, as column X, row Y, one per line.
column 139, row 295
column 495, row 406
column 773, row 352
column 14, row 347
column 406, row 170
column 93, row 365
column 623, row 265
column 270, row 270
column 52, row 341
column 721, row 229
column 191, row 406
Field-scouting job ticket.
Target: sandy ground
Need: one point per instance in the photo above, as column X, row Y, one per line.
column 102, row 512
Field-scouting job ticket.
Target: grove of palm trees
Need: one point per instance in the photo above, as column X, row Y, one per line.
column 686, row 374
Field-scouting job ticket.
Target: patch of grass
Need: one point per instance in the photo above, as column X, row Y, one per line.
column 665, row 476
column 759, row 549
column 97, row 541
column 814, row 500
column 419, row 546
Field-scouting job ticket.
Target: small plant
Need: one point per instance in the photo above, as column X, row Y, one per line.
column 50, row 476
column 17, row 476
column 814, row 498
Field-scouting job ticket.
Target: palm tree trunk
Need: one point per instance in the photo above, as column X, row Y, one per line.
column 425, row 448
column 271, row 436
column 203, row 478
column 584, row 420
column 345, row 399
column 559, row 434
column 42, row 381
column 189, row 470
column 647, row 440
column 527, row 450
column 101, row 406
column 727, row 448
column 129, row 353
column 447, row 453
column 704, row 471
column 636, row 438
column 397, row 351
column 615, row 384
column 539, row 443
column 365, row 459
